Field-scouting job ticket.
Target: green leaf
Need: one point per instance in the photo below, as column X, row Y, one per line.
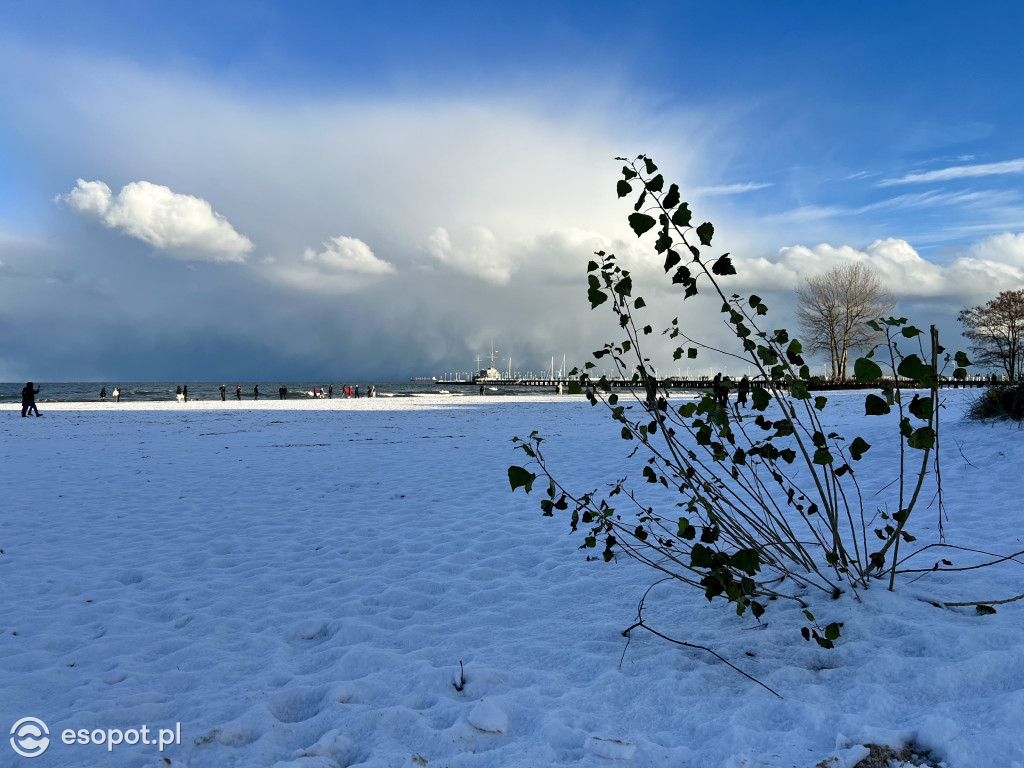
column 649, row 165
column 597, row 297
column 575, row 388
column 671, row 259
column 858, row 448
column 910, row 331
column 921, row 407
column 984, row 610
column 641, row 222
column 626, row 434
column 822, row 456
column 875, row 406
column 760, row 398
column 691, row 353
column 866, row 370
column 664, row 241
column 819, row 402
column 723, row 266
column 912, row 368
column 592, row 266
column 961, row 359
column 656, row 184
column 832, row 631
column 623, row 188
column 519, row 477
column 625, row 286
column 746, row 560
column 682, row 216
column 639, row 303
column 671, row 197
column 701, row 557
column 922, row 438
column 705, row 231
column 799, row 390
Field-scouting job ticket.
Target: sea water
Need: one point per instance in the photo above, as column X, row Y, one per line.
column 162, row 391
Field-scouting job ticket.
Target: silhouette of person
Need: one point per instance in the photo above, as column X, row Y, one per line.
column 28, row 399
column 103, row 394
column 184, row 392
column 117, row 394
column 741, row 392
column 256, row 392
column 223, row 392
column 238, row 391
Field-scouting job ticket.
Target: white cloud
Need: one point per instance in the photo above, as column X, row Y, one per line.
column 478, row 253
column 984, row 269
column 732, row 189
column 958, row 172
column 1005, row 248
column 177, row 224
column 347, row 255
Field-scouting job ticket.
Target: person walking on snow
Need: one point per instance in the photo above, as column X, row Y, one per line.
column 741, row 392
column 28, row 399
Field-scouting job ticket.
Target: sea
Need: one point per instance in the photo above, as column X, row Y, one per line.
column 163, row 391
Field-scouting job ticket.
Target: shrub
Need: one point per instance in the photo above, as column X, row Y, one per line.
column 1005, row 401
column 763, row 506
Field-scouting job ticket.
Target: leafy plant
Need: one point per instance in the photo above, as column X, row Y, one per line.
column 764, row 506
column 999, row 402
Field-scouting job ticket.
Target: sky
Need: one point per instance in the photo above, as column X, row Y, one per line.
column 352, row 191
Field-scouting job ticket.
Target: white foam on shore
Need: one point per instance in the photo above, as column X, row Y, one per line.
column 386, row 402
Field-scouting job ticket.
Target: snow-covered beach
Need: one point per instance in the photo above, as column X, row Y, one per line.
column 350, row 583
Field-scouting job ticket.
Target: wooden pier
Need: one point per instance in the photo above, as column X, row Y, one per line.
column 702, row 383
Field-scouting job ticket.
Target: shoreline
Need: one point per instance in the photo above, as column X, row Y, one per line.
column 396, row 403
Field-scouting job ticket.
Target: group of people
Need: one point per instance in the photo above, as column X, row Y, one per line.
column 116, row 394
column 720, row 390
column 347, row 390
column 238, row 392
column 181, row 392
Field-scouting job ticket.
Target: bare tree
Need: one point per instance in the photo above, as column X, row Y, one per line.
column 996, row 331
column 833, row 308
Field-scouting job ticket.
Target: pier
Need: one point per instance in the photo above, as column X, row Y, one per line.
column 707, row 383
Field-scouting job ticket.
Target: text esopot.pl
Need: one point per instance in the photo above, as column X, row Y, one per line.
column 30, row 737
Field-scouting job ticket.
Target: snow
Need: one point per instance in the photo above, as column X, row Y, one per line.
column 296, row 584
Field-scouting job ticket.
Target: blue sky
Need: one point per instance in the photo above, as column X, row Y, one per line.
column 341, row 190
